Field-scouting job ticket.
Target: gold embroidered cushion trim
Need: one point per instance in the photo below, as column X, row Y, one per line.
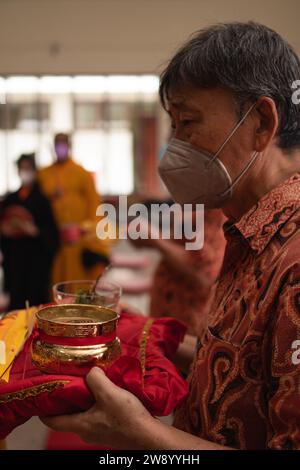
column 32, row 391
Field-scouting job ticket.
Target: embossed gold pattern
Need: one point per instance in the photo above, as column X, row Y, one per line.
column 65, row 322
column 77, row 320
column 34, row 391
column 143, row 346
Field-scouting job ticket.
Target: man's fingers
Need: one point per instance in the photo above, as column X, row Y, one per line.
column 100, row 386
column 98, row 383
column 64, row 423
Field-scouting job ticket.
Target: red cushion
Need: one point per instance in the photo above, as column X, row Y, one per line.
column 158, row 384
column 57, row 440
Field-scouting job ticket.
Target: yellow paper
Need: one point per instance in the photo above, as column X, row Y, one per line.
column 14, row 330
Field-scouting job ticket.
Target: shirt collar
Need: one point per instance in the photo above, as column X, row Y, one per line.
column 259, row 225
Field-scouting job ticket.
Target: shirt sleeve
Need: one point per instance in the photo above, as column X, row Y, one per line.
column 284, row 392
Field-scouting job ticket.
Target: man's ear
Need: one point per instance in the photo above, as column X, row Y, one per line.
column 267, row 122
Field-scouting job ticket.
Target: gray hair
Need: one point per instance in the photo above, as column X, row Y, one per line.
column 249, row 59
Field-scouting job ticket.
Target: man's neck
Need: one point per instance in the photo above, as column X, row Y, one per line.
column 264, row 177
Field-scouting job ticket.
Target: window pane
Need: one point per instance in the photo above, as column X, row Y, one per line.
column 103, row 115
column 88, row 115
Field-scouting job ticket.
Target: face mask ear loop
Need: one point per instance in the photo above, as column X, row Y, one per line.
column 230, row 135
column 235, row 182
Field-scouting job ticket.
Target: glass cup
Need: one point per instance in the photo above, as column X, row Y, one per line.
column 107, row 294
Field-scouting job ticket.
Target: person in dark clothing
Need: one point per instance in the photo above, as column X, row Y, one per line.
column 29, row 239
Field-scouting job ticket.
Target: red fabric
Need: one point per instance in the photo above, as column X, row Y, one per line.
column 69, row 441
column 161, row 388
column 85, row 341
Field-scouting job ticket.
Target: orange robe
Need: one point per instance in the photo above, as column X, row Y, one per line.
column 71, row 191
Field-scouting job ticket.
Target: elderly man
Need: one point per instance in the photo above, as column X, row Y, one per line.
column 236, row 146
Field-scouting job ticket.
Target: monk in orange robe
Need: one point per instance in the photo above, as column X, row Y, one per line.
column 74, row 199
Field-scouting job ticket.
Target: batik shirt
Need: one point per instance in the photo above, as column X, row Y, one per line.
column 245, row 378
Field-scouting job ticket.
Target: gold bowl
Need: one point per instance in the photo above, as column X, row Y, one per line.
column 70, row 339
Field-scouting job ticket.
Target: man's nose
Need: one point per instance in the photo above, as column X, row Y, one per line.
column 180, row 134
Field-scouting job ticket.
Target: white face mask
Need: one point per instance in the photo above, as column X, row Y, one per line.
column 196, row 176
column 27, row 177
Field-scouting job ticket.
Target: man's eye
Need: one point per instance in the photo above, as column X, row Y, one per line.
column 186, row 122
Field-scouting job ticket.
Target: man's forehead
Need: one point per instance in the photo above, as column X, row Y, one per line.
column 184, row 102
column 200, row 99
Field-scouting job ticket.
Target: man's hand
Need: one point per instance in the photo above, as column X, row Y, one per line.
column 30, row 229
column 185, row 353
column 7, row 230
column 118, row 419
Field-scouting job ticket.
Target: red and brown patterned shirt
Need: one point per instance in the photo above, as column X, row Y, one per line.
column 245, row 378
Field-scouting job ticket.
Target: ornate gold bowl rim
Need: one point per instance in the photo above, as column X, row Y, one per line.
column 76, row 320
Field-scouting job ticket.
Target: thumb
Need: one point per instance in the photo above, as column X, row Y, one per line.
column 99, row 384
column 64, row 423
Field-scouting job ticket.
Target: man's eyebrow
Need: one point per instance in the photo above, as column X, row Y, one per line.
column 181, row 105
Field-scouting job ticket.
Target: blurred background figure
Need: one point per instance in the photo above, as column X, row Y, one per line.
column 183, row 280
column 4, row 297
column 29, row 239
column 71, row 191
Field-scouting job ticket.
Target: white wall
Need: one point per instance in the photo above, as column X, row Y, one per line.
column 119, row 36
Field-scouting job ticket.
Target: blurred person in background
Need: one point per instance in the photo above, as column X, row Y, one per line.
column 29, row 239
column 183, row 279
column 4, row 297
column 71, row 191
